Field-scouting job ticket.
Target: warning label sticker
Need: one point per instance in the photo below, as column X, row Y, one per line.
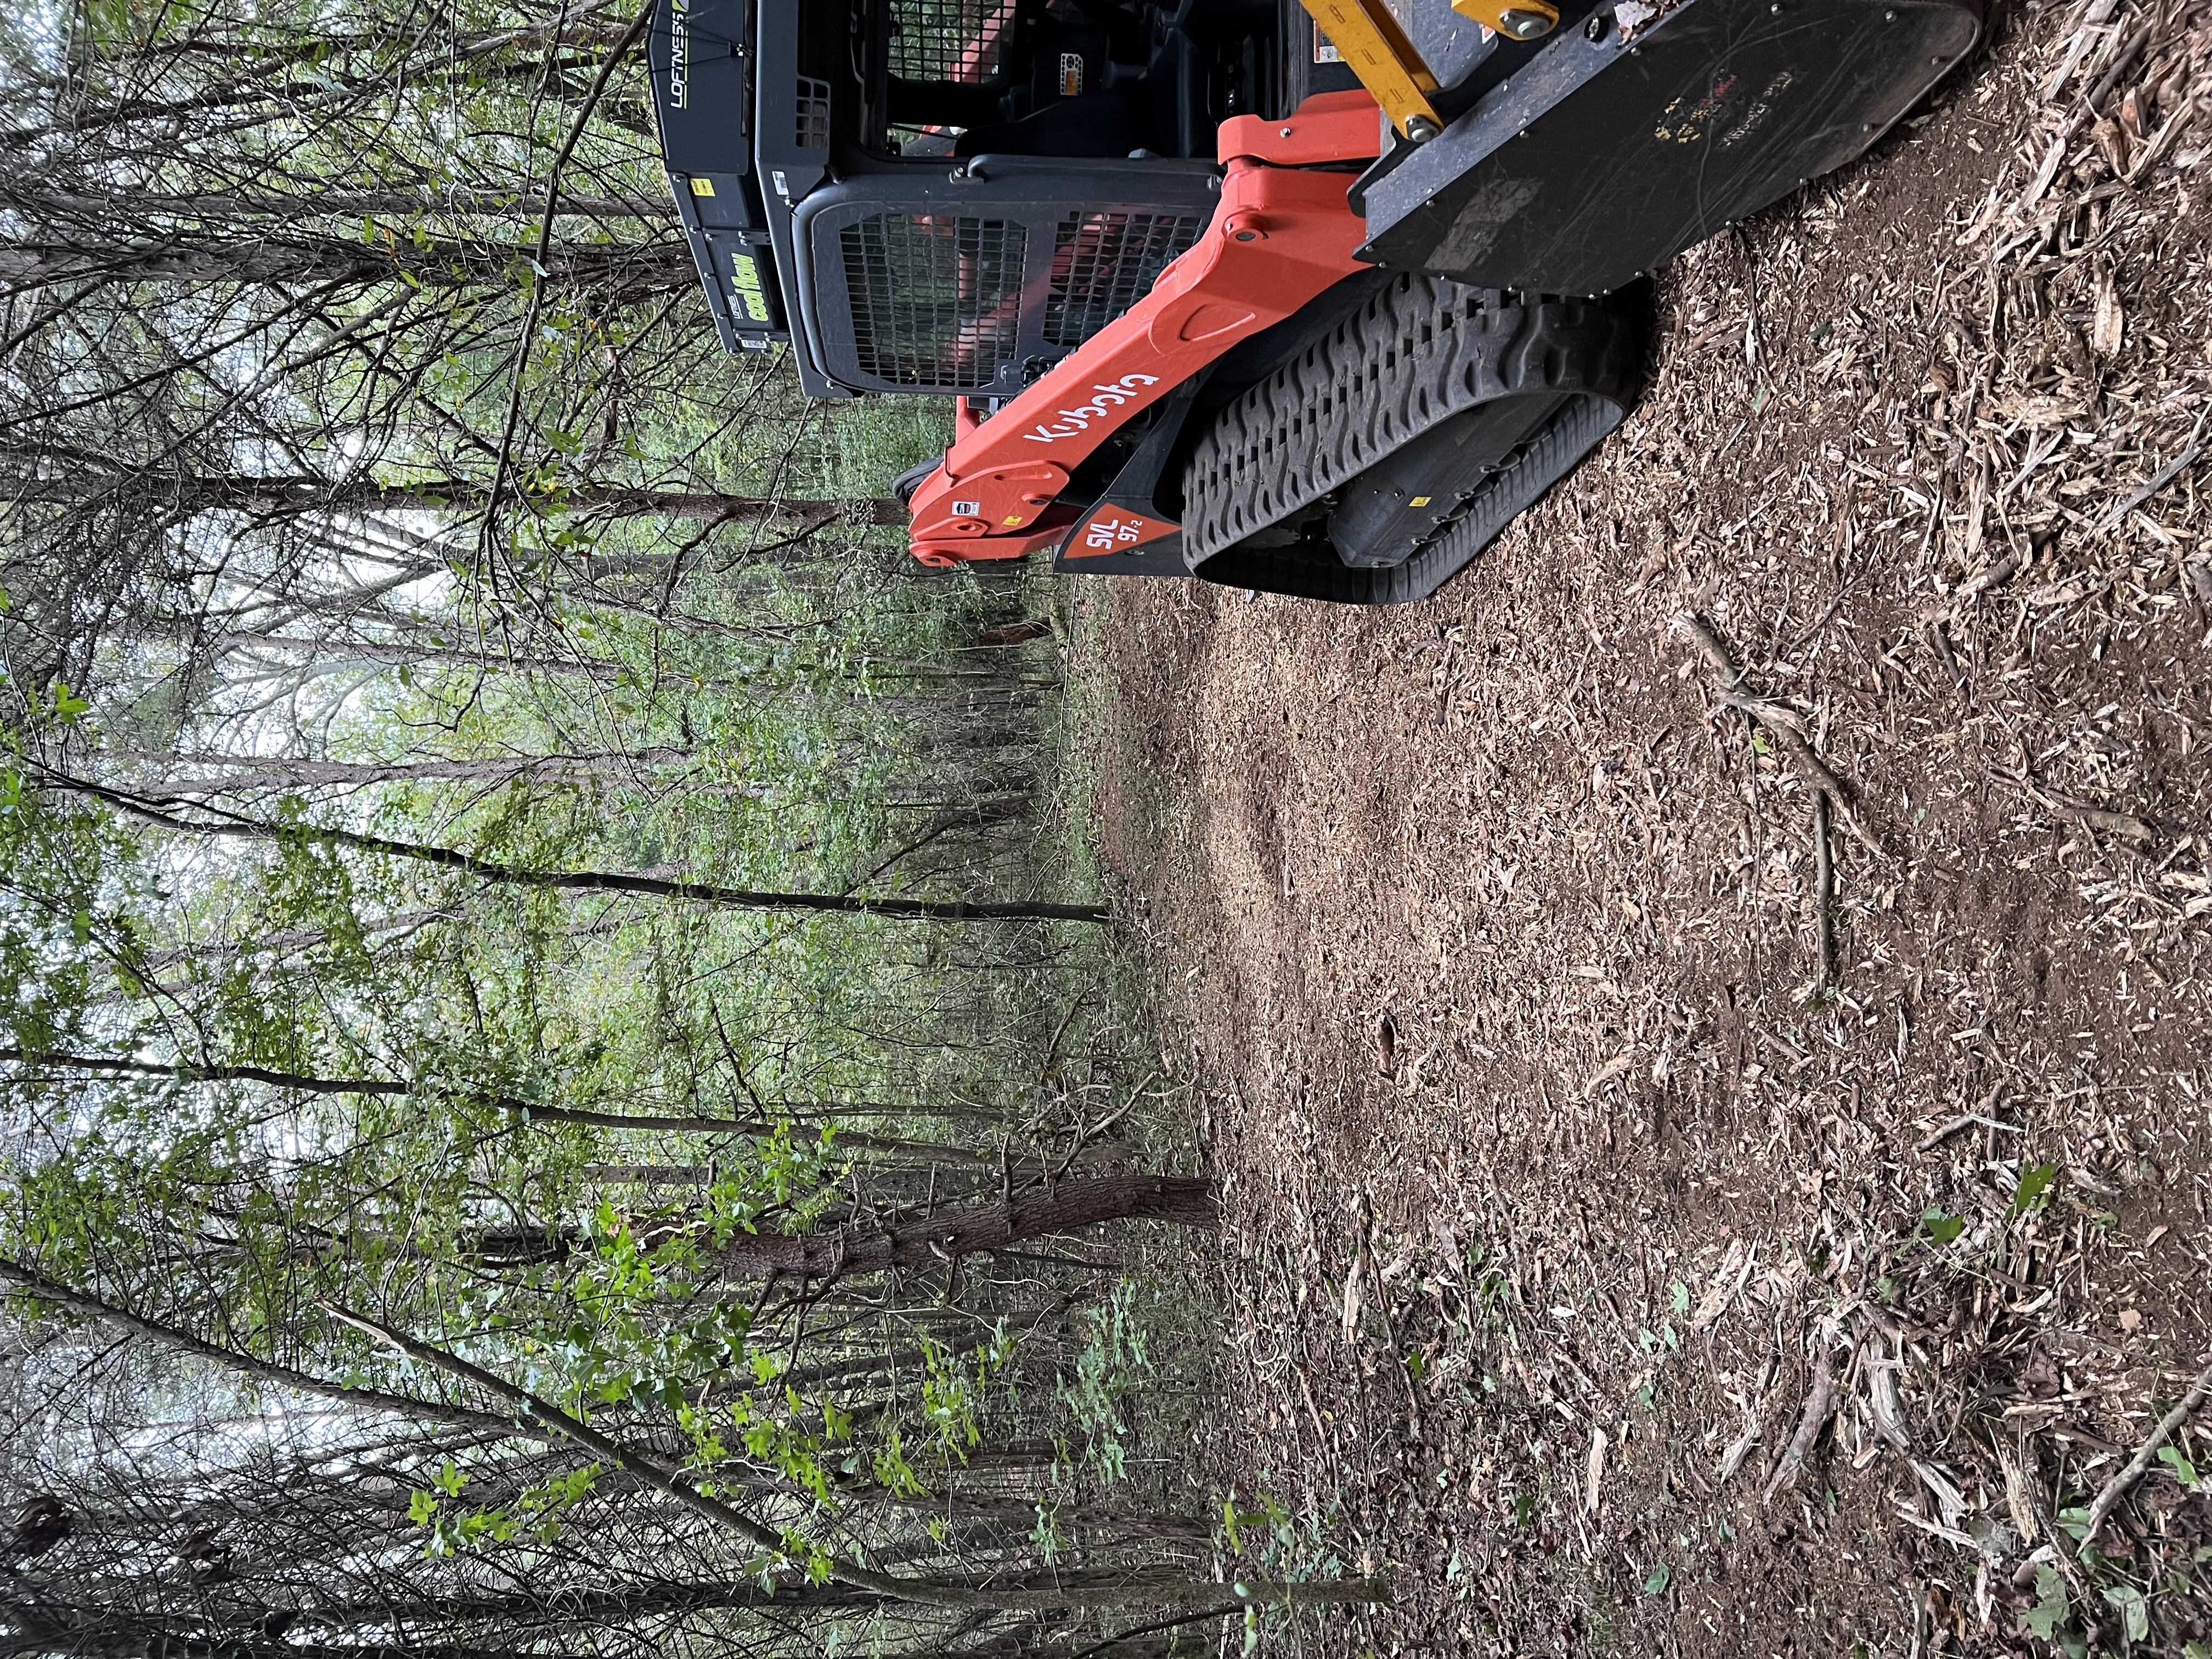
column 1114, row 529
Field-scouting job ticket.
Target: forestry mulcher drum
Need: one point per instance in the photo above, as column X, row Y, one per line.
column 1311, row 296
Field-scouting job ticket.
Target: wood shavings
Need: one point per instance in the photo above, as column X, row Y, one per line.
column 2116, row 1487
column 1893, row 527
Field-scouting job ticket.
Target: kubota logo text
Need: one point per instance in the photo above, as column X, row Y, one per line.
column 1110, row 397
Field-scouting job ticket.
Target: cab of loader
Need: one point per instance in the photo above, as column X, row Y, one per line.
column 948, row 196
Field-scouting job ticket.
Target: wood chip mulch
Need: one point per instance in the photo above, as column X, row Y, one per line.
column 1703, row 1025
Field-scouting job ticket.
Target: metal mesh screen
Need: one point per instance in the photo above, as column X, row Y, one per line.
column 813, row 113
column 948, row 39
column 1104, row 263
column 936, row 300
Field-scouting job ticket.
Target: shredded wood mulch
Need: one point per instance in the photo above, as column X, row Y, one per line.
column 1703, row 1024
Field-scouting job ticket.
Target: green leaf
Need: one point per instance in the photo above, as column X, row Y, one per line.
column 1943, row 1228
column 1678, row 1298
column 2183, row 1470
column 2032, row 1185
column 1661, row 1576
column 2050, row 1608
column 2134, row 1610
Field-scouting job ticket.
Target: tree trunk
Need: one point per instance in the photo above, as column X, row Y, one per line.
column 395, row 1088
column 264, row 1370
column 296, row 938
column 386, row 203
column 577, row 1606
column 1068, row 1207
column 281, row 497
column 298, row 260
column 327, row 652
column 230, row 825
column 650, row 1175
column 1032, row 627
column 245, row 1647
column 256, row 771
column 266, row 79
column 809, row 1114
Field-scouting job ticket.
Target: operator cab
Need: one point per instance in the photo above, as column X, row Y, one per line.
column 947, row 197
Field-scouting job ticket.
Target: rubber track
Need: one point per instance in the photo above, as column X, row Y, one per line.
column 1419, row 351
column 1310, row 570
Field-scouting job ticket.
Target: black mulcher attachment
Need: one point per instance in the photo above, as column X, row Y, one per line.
column 1618, row 143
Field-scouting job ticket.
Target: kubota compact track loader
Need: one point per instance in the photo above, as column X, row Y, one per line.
column 1312, row 296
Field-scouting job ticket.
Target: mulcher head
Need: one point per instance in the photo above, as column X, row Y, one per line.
column 1631, row 138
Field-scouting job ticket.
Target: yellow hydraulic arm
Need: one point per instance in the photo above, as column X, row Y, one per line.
column 1367, row 38
column 1375, row 47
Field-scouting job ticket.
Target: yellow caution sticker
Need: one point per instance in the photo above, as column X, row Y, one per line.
column 702, row 186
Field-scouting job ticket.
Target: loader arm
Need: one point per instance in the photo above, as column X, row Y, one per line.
column 1283, row 233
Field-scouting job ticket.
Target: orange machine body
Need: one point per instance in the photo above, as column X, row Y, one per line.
column 1282, row 233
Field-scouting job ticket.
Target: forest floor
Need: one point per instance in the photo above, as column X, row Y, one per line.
column 1597, row 1268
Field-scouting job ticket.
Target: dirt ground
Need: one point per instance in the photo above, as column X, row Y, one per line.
column 1603, row 1272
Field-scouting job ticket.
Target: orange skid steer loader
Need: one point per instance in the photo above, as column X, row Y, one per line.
column 1311, row 296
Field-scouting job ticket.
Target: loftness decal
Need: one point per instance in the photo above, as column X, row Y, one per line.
column 679, row 55
column 1110, row 397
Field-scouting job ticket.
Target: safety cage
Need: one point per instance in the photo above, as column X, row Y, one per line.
column 979, row 291
column 947, row 197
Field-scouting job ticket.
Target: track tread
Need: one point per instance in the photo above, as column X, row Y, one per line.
column 1419, row 351
column 1310, row 570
